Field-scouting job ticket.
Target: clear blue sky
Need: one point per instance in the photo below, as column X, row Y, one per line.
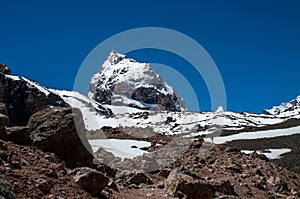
column 255, row 44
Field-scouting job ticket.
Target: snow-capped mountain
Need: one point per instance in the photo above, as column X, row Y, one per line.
column 290, row 108
column 122, row 81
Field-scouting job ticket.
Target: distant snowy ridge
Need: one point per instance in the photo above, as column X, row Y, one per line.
column 290, row 108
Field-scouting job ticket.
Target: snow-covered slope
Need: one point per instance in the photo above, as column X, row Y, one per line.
column 257, row 135
column 189, row 123
column 124, row 81
column 92, row 111
column 291, row 108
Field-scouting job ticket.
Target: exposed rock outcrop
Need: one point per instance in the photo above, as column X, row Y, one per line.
column 24, row 98
column 61, row 131
column 4, row 69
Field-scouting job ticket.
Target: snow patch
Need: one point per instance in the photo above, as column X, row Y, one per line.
column 270, row 153
column 120, row 148
column 256, row 135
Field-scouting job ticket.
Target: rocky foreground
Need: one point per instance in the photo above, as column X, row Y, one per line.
column 46, row 159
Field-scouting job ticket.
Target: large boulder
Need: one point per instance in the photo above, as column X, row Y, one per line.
column 182, row 185
column 61, row 131
column 91, row 180
column 6, row 190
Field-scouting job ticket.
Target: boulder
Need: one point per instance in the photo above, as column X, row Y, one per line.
column 91, row 180
column 61, row 131
column 6, row 190
column 182, row 185
column 139, row 178
column 42, row 184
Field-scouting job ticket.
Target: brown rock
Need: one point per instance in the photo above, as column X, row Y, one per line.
column 91, row 180
column 182, row 185
column 139, row 178
column 178, row 184
column 42, row 184
column 54, row 130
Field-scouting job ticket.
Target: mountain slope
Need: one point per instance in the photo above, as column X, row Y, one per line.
column 24, row 97
column 124, row 81
column 291, row 108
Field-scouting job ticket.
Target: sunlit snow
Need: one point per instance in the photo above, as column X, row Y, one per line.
column 270, row 153
column 120, row 148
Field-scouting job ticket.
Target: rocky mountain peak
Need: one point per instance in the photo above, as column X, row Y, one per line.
column 285, row 109
column 122, row 81
column 4, row 69
column 114, row 57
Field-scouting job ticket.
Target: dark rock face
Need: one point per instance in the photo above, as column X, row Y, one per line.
column 152, row 96
column 91, row 180
column 19, row 135
column 3, row 124
column 3, row 109
column 3, row 120
column 4, row 69
column 6, row 190
column 103, row 96
column 23, row 100
column 54, row 130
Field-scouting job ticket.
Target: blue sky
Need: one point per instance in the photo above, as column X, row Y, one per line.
column 255, row 44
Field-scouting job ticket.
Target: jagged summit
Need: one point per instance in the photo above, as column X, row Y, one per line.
column 4, row 69
column 123, row 81
column 115, row 57
column 285, row 109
